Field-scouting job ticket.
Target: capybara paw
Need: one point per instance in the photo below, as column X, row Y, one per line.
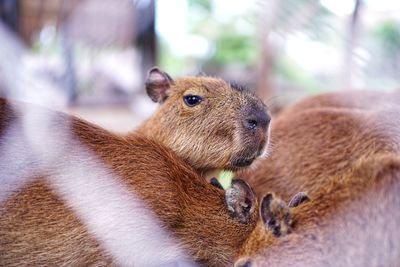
column 241, row 200
column 276, row 215
column 298, row 199
column 214, row 181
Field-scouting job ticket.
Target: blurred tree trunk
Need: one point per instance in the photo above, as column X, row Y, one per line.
column 264, row 87
column 276, row 15
column 350, row 43
column 9, row 13
column 69, row 77
column 264, row 83
column 146, row 36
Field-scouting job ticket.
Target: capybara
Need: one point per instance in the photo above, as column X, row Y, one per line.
column 346, row 157
column 74, row 194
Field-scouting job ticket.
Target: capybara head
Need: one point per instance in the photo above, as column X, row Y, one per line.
column 210, row 123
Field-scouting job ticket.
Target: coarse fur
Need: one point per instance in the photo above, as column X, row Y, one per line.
column 346, row 156
column 228, row 129
column 351, row 221
column 317, row 143
column 213, row 135
column 363, row 100
column 51, row 218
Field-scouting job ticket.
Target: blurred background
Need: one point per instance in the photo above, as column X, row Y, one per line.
column 90, row 57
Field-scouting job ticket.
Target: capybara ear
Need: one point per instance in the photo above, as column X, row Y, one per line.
column 275, row 215
column 241, row 200
column 298, row 199
column 158, row 84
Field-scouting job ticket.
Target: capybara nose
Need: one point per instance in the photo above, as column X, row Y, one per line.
column 257, row 119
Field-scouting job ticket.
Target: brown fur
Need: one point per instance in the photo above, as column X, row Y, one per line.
column 347, row 158
column 312, row 145
column 38, row 227
column 213, row 134
column 365, row 100
column 350, row 221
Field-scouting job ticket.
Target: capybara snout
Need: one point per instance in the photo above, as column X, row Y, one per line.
column 256, row 117
column 253, row 134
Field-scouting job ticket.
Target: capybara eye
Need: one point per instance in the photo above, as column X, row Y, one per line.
column 192, row 100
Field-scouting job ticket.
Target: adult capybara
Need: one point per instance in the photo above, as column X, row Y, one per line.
column 75, row 194
column 346, row 157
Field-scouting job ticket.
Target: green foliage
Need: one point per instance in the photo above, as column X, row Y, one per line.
column 388, row 36
column 230, row 44
column 231, row 40
column 294, row 75
column 384, row 45
column 167, row 60
column 204, row 4
column 230, row 47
